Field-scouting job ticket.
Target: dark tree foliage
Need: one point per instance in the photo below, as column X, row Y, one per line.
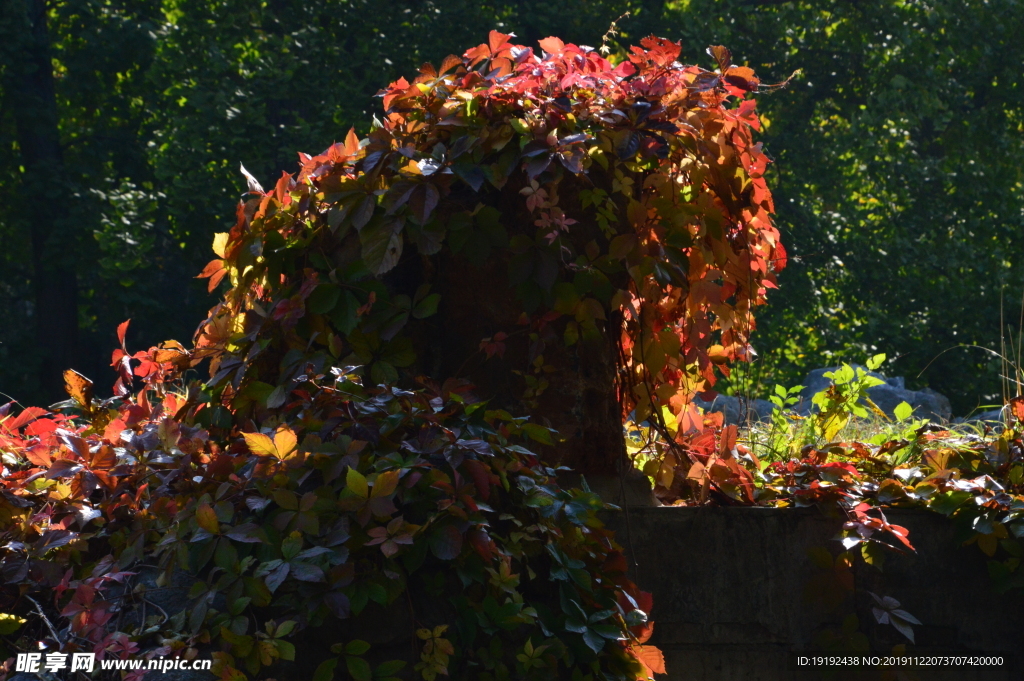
column 897, row 181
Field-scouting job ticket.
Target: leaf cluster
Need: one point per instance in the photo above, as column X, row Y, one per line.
column 352, row 497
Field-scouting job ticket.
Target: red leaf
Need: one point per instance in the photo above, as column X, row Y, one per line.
column 284, row 187
column 643, row 632
column 27, row 416
column 63, row 468
column 721, row 55
column 40, row 427
column 122, row 329
column 481, row 477
column 104, row 458
column 481, row 542
column 645, row 601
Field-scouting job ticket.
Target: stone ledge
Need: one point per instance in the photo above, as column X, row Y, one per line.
column 729, row 592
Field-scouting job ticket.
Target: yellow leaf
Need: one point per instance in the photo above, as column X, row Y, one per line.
column 357, row 482
column 988, row 544
column 385, row 484
column 260, row 444
column 10, row 623
column 831, row 424
column 422, row 633
column 220, row 244
column 285, row 441
column 671, row 420
column 207, row 519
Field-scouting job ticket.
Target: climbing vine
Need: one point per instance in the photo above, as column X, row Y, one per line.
column 626, row 200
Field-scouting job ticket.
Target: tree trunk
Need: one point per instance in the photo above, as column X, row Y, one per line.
column 580, row 398
column 32, row 98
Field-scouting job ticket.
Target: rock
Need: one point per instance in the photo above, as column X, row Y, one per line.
column 927, row 403
column 993, row 416
column 632, row 488
column 738, row 410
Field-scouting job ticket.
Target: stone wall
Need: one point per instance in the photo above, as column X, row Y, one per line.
column 731, row 603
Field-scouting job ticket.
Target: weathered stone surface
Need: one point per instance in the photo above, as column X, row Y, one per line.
column 729, row 592
column 991, row 417
column 633, row 488
column 926, row 402
column 738, row 410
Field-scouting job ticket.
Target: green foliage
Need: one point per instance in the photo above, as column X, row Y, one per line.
column 897, row 184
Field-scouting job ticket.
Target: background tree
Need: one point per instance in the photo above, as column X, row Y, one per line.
column 898, row 188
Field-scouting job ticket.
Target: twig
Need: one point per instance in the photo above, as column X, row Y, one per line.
column 146, row 601
column 49, row 625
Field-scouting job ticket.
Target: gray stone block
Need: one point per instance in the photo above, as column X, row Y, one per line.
column 738, row 410
column 732, row 598
column 927, row 403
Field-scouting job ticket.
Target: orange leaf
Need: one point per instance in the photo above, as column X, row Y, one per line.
column 104, row 458
column 1017, row 407
column 552, row 45
column 79, row 388
column 112, row 433
column 351, row 143
column 651, row 658
column 39, row 455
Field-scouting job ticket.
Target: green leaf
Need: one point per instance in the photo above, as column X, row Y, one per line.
column 948, row 502
column 356, row 482
column 538, row 433
column 356, row 647
column 593, row 640
column 622, row 245
column 344, row 316
column 358, row 668
column 325, row 672
column 426, row 307
column 286, row 649
column 389, row 668
column 382, row 245
column 572, row 334
column 903, row 411
column 378, row 594
column 323, row 298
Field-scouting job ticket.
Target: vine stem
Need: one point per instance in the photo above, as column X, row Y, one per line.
column 46, row 620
